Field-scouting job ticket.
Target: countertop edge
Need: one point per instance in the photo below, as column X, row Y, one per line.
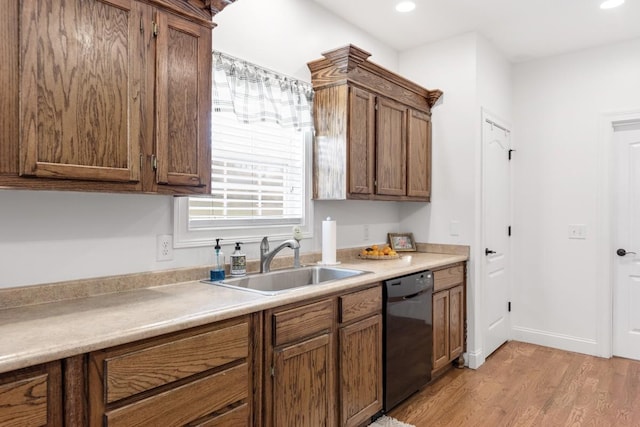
column 247, row 303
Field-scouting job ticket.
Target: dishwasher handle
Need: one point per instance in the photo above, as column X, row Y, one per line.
column 411, row 296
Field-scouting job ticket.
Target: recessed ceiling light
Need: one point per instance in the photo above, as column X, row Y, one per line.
column 610, row 4
column 408, row 6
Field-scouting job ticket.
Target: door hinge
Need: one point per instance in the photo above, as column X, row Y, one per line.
column 155, row 34
column 273, row 372
column 509, row 231
column 509, row 306
column 510, row 151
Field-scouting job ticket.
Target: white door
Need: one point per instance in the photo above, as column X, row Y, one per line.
column 496, row 145
column 626, row 290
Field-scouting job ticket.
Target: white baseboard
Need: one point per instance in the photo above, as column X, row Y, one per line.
column 559, row 341
column 474, row 359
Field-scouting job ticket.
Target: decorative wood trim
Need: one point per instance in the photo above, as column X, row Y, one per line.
column 75, row 394
column 216, row 6
column 433, row 97
column 347, row 58
column 349, row 63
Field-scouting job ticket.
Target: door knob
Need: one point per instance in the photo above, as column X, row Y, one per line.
column 488, row 251
column 622, row 252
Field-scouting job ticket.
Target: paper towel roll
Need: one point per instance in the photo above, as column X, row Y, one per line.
column 328, row 241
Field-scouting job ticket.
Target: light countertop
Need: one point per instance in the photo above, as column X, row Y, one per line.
column 40, row 333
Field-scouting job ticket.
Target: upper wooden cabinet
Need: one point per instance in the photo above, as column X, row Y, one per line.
column 183, row 103
column 109, row 95
column 373, row 130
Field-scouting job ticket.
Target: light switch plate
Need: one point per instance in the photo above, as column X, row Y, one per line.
column 577, row 231
column 454, row 228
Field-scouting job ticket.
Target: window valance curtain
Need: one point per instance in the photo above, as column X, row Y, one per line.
column 256, row 94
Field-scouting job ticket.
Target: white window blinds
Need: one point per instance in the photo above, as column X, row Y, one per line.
column 257, row 175
column 261, row 128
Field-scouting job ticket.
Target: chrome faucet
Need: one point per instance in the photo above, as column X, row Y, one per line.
column 266, row 257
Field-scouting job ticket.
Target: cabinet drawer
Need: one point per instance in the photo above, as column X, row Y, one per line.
column 142, row 369
column 297, row 323
column 187, row 403
column 236, row 417
column 360, row 304
column 448, row 277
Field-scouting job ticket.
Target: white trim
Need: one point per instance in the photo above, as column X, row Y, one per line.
column 559, row 341
column 183, row 237
column 474, row 359
column 478, row 355
column 604, row 215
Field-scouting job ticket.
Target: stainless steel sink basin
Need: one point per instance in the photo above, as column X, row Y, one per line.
column 277, row 282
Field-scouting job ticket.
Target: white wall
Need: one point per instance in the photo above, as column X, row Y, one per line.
column 450, row 66
column 472, row 75
column 494, row 82
column 53, row 236
column 558, row 103
column 284, row 35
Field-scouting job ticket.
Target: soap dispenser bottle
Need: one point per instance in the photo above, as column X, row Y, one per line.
column 238, row 264
column 217, row 274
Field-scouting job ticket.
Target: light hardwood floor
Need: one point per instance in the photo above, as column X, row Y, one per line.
column 528, row 385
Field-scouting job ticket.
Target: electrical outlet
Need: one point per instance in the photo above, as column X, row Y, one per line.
column 577, row 231
column 164, row 247
column 366, row 232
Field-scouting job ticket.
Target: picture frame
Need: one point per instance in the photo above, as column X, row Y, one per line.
column 402, row 242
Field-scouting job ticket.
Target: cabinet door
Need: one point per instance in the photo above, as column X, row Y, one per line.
column 391, row 167
column 303, row 384
column 80, row 93
column 360, row 371
column 361, row 143
column 418, row 155
column 31, row 397
column 440, row 329
column 183, row 103
column 456, row 321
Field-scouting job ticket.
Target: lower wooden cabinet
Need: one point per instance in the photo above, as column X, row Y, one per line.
column 32, row 397
column 317, row 351
column 448, row 315
column 299, row 354
column 317, row 363
column 303, row 383
column 360, row 347
column 201, row 376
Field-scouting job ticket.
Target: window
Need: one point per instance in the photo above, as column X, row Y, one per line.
column 260, row 157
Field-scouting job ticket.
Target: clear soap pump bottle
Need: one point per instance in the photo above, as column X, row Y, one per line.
column 217, row 274
column 238, row 262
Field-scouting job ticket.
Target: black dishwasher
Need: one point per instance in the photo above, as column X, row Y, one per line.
column 408, row 335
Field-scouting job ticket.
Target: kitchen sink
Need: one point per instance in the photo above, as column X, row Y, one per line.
column 277, row 282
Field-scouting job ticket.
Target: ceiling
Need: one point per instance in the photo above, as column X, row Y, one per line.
column 521, row 29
